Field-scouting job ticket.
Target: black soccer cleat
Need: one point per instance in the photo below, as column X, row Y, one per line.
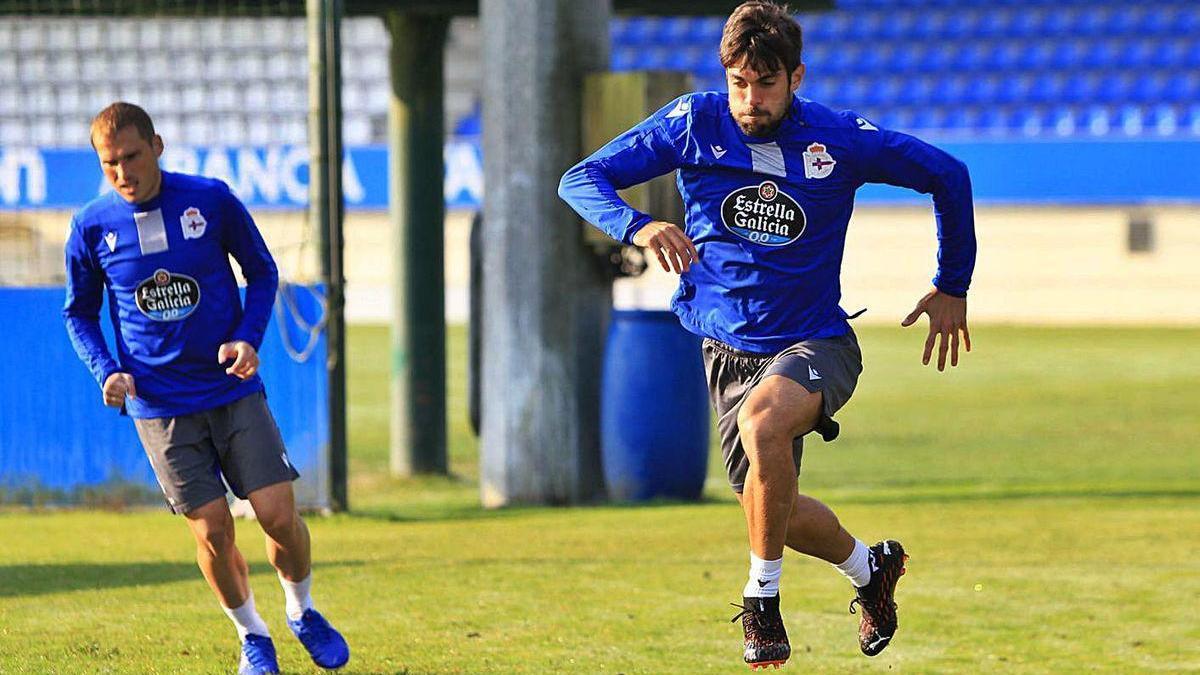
column 766, row 639
column 878, row 623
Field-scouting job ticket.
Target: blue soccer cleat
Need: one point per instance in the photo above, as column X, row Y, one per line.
column 325, row 645
column 258, row 656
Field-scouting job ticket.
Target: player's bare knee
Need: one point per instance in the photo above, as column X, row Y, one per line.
column 763, row 436
column 279, row 524
column 216, row 538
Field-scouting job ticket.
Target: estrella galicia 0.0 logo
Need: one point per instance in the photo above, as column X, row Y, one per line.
column 167, row 297
column 763, row 214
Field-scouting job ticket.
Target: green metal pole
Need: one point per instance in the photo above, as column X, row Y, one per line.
column 326, row 211
column 417, row 206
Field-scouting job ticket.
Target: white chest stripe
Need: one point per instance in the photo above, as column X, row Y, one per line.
column 767, row 158
column 152, row 233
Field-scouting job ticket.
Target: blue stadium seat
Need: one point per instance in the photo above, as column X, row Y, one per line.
column 625, row 58
column 688, row 58
column 905, row 58
column 1059, row 21
column 639, row 31
column 1098, row 121
column 971, row 56
column 1170, row 53
column 1187, row 21
column 877, row 60
column 960, row 25
column 867, row 26
column 936, row 57
column 1132, row 120
column 1138, row 53
column 1031, row 121
column 708, row 30
column 1014, row 88
column 675, row 31
column 1183, row 87
column 1064, row 120
column 1081, row 88
column 883, row 91
column 1005, row 55
column 982, row 90
column 926, row 119
column 1191, row 58
column 1103, row 54
column 1191, row 120
column 995, row 120
column 1164, row 119
column 1047, row 88
column 1036, row 56
column 1027, row 23
column 1068, row 54
column 995, row 23
column 899, row 26
column 960, row 118
column 1148, row 88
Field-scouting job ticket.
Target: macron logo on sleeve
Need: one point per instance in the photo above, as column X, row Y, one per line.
column 865, row 125
column 682, row 108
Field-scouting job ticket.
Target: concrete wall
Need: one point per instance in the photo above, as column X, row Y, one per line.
column 1036, row 265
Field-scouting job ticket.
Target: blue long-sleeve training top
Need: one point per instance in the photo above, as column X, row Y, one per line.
column 172, row 295
column 768, row 215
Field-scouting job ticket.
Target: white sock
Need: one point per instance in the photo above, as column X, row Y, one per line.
column 246, row 619
column 764, row 578
column 297, row 596
column 857, row 567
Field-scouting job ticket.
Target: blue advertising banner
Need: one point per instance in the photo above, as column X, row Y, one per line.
column 1002, row 171
column 57, row 438
column 272, row 177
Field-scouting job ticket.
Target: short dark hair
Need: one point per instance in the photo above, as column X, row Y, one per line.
column 762, row 35
column 119, row 115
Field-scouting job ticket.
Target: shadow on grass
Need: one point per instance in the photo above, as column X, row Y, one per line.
column 884, row 495
column 443, row 511
column 32, row 579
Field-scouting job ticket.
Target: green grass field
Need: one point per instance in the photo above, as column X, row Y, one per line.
column 1048, row 491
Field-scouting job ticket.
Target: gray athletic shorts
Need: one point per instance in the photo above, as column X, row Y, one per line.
column 190, row 453
column 830, row 366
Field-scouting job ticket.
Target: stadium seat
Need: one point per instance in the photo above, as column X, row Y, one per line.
column 16, row 129
column 356, row 129
column 1099, row 120
column 1037, row 56
column 625, row 58
column 33, row 68
column 1187, row 21
column 1132, row 120
column 1164, row 119
column 1183, row 87
column 231, row 129
column 995, row 120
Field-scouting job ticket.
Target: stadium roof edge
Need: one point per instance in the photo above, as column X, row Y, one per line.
column 351, row 7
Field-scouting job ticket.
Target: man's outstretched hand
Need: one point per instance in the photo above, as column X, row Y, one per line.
column 947, row 316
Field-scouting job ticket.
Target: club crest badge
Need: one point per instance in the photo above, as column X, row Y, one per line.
column 818, row 163
column 193, row 223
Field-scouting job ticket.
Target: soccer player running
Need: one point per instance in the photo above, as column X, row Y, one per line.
column 768, row 181
column 186, row 366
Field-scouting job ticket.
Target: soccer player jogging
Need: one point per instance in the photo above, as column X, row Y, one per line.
column 768, row 181
column 186, row 366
